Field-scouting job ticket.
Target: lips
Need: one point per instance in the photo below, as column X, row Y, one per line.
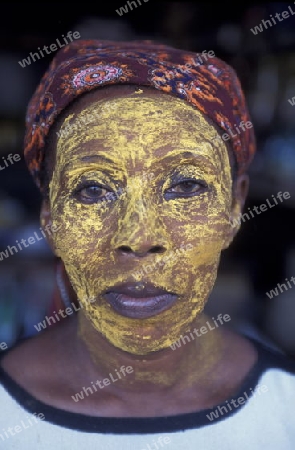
column 148, row 301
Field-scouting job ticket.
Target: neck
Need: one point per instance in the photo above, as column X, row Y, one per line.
column 166, row 369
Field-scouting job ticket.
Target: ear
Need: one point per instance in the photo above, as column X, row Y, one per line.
column 47, row 225
column 240, row 192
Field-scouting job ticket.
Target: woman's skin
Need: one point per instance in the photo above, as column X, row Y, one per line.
column 139, row 132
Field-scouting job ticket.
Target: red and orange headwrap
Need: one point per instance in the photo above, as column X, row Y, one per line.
column 207, row 83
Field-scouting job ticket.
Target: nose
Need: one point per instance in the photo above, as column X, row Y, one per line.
column 141, row 231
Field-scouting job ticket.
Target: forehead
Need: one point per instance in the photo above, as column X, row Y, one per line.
column 117, row 112
column 111, row 93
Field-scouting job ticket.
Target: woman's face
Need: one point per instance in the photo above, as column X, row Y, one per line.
column 170, row 210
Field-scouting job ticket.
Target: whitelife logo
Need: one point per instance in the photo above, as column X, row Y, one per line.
column 53, row 47
column 198, row 332
column 3, row 346
column 24, row 243
column 157, row 445
column 24, row 425
column 237, row 402
column 64, row 313
column 275, row 292
column 266, row 23
column 124, row 9
column 261, row 208
column 11, row 158
column 102, row 383
column 198, row 61
column 241, row 127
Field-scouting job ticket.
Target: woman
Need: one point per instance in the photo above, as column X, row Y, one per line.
column 105, row 117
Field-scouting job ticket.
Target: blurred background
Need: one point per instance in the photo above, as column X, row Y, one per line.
column 263, row 254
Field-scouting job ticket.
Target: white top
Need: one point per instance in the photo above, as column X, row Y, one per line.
column 261, row 416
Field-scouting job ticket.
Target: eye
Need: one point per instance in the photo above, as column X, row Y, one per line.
column 91, row 193
column 188, row 187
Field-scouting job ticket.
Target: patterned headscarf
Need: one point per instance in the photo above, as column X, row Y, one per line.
column 207, row 83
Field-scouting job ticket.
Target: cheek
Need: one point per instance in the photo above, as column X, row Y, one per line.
column 203, row 222
column 79, row 228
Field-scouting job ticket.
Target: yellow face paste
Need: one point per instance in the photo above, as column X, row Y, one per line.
column 135, row 136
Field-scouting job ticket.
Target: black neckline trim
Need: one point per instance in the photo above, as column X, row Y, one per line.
column 267, row 359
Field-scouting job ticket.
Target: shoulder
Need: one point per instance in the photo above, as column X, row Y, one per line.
column 273, row 372
column 253, row 363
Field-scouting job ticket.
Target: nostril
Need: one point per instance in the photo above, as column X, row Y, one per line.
column 125, row 249
column 157, row 249
column 154, row 249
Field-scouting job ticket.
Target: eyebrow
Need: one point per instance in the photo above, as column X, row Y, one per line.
column 88, row 159
column 187, row 155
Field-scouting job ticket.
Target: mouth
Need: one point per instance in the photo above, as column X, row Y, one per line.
column 139, row 300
